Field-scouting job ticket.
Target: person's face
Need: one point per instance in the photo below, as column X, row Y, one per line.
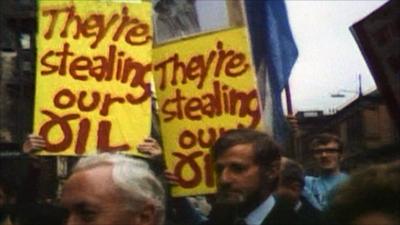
column 328, row 156
column 239, row 177
column 91, row 197
column 290, row 192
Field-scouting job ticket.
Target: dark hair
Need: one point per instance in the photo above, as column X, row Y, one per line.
column 291, row 171
column 325, row 138
column 265, row 149
column 375, row 189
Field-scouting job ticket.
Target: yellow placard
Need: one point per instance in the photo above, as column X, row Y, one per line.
column 205, row 86
column 93, row 76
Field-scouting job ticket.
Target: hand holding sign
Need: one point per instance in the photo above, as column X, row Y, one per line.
column 150, row 147
column 33, row 143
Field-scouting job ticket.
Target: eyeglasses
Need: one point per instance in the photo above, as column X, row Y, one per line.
column 326, row 150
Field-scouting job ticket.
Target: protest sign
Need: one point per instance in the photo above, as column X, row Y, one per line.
column 205, row 86
column 378, row 37
column 93, row 76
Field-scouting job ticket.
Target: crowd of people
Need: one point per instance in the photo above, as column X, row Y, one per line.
column 256, row 185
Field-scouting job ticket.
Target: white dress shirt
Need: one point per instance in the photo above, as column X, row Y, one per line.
column 257, row 216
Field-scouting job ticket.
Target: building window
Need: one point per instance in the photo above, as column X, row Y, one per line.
column 355, row 132
column 16, row 72
column 25, row 41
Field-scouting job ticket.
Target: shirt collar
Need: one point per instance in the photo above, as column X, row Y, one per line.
column 257, row 216
column 298, row 206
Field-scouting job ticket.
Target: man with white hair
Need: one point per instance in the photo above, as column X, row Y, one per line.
column 112, row 189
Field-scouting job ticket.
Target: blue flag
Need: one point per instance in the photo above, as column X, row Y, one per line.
column 274, row 46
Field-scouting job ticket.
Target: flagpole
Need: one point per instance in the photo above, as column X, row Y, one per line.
column 293, row 122
column 288, row 99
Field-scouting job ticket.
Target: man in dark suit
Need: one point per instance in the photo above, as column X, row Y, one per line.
column 247, row 164
column 289, row 190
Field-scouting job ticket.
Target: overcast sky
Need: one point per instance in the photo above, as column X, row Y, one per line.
column 329, row 58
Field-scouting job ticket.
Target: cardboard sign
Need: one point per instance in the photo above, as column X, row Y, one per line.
column 205, row 86
column 378, row 37
column 93, row 76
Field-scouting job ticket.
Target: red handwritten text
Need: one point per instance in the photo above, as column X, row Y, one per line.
column 174, row 71
column 96, row 26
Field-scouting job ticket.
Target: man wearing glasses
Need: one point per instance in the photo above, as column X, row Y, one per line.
column 327, row 150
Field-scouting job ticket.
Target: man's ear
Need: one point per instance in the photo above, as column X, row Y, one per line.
column 146, row 216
